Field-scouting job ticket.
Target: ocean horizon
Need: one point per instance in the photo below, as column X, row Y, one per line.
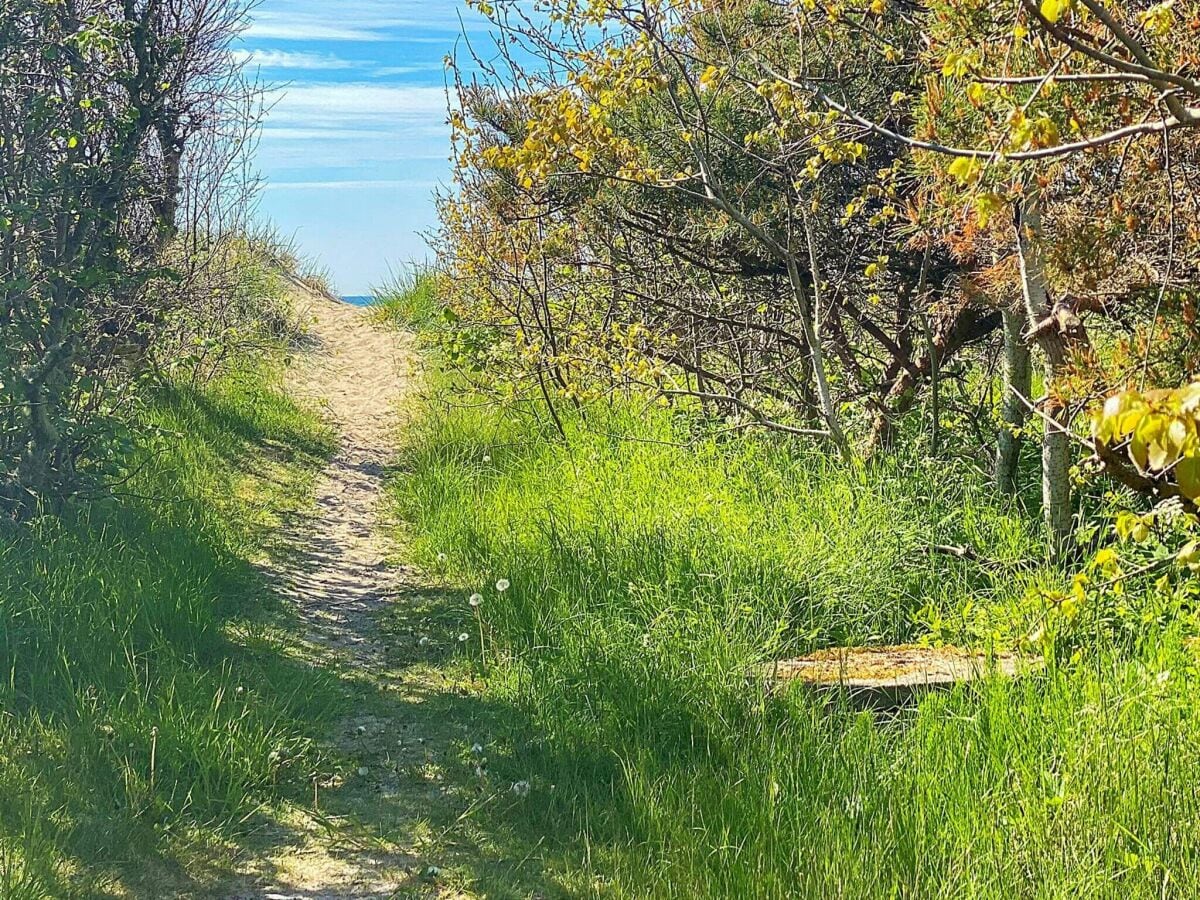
column 359, row 299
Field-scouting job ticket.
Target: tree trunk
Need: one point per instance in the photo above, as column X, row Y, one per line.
column 817, row 357
column 1018, row 385
column 895, row 404
column 1056, row 445
column 809, row 404
column 811, row 314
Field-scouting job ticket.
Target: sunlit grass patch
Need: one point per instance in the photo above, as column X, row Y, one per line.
column 651, row 573
column 409, row 299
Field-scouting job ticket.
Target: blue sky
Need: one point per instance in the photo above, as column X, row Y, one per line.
column 356, row 141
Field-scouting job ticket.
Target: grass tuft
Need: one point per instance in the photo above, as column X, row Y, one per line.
column 409, row 299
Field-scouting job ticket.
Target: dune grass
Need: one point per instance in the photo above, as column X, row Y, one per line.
column 649, row 574
column 145, row 704
column 409, row 298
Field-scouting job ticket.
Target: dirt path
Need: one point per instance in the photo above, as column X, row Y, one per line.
column 403, row 803
column 340, row 582
column 339, row 579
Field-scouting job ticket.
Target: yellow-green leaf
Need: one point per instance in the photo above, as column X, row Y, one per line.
column 1187, row 474
column 1053, row 10
column 987, row 205
column 965, row 169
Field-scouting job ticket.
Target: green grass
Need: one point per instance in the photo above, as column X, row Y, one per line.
column 647, row 581
column 409, row 299
column 145, row 706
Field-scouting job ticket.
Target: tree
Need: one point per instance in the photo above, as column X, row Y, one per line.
column 99, row 102
column 651, row 175
column 1099, row 222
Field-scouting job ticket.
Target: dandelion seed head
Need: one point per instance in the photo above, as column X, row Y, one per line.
column 502, row 585
column 520, row 788
column 463, row 638
column 441, row 557
column 476, row 599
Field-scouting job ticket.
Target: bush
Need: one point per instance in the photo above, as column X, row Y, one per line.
column 100, row 103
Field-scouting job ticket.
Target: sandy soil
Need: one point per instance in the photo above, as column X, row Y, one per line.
column 339, row 580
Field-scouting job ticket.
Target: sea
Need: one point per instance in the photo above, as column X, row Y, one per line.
column 359, row 300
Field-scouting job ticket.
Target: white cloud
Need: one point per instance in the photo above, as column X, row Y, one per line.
column 362, row 105
column 310, row 31
column 286, row 59
column 321, row 20
column 390, row 71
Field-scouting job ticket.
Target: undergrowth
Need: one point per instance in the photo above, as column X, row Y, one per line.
column 633, row 579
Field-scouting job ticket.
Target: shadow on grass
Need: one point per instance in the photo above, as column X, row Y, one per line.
column 422, row 771
column 149, row 701
column 229, row 417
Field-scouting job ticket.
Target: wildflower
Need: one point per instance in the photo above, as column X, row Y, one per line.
column 520, row 788
column 463, row 638
column 476, row 600
column 502, row 585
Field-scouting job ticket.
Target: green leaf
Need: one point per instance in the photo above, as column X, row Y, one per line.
column 987, row 205
column 1187, row 473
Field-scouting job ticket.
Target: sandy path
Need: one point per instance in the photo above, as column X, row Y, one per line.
column 339, row 581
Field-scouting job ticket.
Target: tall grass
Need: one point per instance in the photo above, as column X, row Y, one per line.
column 649, row 575
column 143, row 701
column 409, row 299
